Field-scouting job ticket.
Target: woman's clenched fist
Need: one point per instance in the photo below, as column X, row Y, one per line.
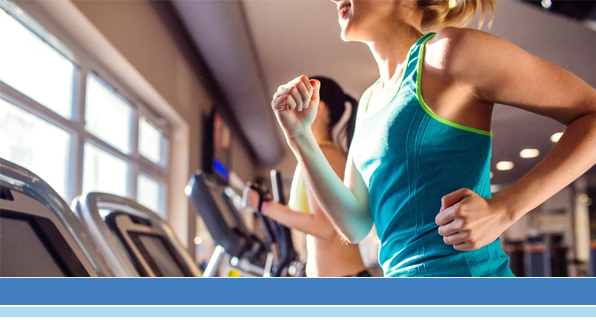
column 295, row 105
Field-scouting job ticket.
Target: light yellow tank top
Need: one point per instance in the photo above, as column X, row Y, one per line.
column 298, row 197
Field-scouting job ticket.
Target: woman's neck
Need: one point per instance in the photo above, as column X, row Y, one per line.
column 390, row 50
column 321, row 134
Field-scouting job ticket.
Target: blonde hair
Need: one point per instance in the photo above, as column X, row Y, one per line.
column 438, row 14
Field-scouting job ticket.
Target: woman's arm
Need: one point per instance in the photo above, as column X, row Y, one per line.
column 345, row 204
column 308, row 223
column 316, row 222
column 500, row 72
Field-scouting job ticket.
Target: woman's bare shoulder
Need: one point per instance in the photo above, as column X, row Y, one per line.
column 462, row 52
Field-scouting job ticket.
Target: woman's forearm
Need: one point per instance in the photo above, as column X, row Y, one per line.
column 301, row 221
column 351, row 217
column 571, row 157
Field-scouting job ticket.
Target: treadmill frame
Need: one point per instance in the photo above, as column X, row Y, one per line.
column 87, row 208
column 22, row 182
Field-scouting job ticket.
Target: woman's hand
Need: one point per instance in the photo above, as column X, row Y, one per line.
column 469, row 222
column 497, row 71
column 295, row 105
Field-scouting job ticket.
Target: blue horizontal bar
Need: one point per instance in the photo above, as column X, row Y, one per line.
column 297, row 291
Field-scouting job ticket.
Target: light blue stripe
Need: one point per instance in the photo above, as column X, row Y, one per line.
column 294, row 311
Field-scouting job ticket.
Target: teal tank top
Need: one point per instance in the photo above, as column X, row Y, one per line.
column 409, row 159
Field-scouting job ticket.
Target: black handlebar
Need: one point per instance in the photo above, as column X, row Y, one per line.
column 286, row 247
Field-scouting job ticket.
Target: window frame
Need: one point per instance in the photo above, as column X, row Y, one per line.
column 85, row 66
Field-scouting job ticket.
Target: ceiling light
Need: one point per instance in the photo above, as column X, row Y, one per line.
column 504, row 165
column 546, row 4
column 555, row 137
column 491, row 175
column 494, row 188
column 529, row 153
column 198, row 240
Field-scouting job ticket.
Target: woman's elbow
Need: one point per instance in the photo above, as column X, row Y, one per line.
column 354, row 239
column 358, row 235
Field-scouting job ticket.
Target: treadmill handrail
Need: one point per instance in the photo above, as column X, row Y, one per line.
column 83, row 206
column 90, row 204
column 25, row 181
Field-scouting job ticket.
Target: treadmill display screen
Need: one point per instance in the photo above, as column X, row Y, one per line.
column 158, row 255
column 22, row 252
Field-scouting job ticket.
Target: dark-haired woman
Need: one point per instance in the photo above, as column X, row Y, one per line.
column 419, row 164
column 328, row 255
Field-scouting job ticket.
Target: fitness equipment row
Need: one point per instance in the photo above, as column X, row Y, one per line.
column 104, row 235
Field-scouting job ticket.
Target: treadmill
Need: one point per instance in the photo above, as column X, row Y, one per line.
column 236, row 246
column 288, row 264
column 39, row 235
column 134, row 240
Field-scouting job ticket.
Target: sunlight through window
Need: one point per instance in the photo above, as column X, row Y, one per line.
column 35, row 145
column 108, row 116
column 33, row 67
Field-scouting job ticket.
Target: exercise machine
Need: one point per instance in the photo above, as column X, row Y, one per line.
column 237, row 248
column 288, row 265
column 134, row 240
column 39, row 235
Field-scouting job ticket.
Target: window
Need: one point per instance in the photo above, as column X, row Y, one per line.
column 149, row 194
column 106, row 140
column 35, row 144
column 23, row 55
column 108, row 116
column 152, row 144
column 104, row 172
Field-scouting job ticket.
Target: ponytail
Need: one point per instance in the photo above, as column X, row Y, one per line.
column 343, row 131
column 342, row 112
column 438, row 14
column 351, row 124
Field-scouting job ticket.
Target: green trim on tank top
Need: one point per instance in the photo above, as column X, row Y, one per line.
column 403, row 76
column 428, row 110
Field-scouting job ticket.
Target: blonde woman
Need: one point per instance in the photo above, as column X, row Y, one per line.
column 419, row 163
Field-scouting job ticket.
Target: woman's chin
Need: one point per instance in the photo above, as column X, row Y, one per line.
column 345, row 35
column 348, row 33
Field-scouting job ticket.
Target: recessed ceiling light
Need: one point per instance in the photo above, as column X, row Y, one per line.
column 555, row 137
column 491, row 175
column 529, row 153
column 504, row 165
column 494, row 188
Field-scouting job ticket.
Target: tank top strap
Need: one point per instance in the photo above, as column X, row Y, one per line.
column 411, row 68
column 414, row 54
